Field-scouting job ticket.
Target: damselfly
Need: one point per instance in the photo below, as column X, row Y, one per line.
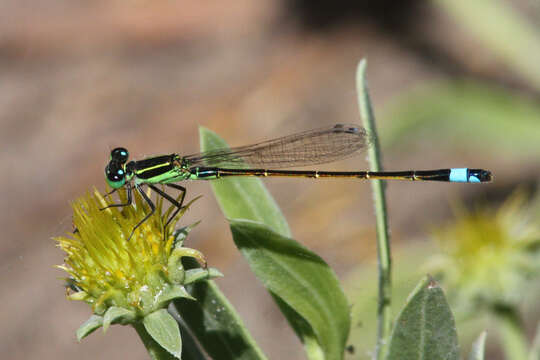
column 264, row 159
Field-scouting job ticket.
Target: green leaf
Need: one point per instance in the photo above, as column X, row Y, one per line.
column 425, row 328
column 243, row 197
column 162, row 327
column 216, row 325
column 301, row 279
column 116, row 314
column 247, row 199
column 89, row 326
column 478, row 347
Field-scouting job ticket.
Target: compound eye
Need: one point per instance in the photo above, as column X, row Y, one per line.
column 115, row 175
column 119, row 154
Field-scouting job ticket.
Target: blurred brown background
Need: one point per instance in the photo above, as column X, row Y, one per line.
column 78, row 78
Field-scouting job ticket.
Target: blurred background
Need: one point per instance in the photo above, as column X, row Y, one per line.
column 454, row 83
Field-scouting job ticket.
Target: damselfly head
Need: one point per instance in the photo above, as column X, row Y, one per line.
column 115, row 174
column 115, row 171
column 119, row 154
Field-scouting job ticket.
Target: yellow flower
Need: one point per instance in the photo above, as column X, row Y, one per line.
column 490, row 256
column 126, row 279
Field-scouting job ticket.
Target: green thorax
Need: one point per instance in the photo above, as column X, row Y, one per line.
column 161, row 169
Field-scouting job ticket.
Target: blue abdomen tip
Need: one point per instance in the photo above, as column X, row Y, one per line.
column 460, row 175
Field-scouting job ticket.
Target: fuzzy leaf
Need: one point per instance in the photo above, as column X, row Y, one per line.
column 162, row 327
column 89, row 326
column 425, row 328
column 478, row 347
column 301, row 279
column 116, row 314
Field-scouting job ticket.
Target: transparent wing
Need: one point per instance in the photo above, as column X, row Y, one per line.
column 307, row 148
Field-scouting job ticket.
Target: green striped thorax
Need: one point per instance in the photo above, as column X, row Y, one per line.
column 117, row 172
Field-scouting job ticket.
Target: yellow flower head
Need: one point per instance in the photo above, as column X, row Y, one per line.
column 489, row 256
column 109, row 270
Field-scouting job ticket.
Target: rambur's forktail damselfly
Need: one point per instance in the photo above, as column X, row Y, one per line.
column 266, row 159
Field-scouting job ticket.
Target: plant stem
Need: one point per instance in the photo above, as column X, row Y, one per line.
column 511, row 330
column 155, row 350
column 384, row 321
